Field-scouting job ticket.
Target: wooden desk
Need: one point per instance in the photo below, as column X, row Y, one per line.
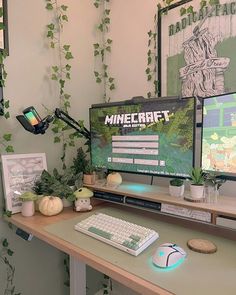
column 199, row 274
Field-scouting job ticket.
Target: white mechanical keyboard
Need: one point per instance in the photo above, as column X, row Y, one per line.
column 126, row 236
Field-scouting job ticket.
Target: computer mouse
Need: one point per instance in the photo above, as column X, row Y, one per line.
column 168, row 254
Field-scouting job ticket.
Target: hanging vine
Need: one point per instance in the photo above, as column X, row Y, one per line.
column 101, row 49
column 61, row 73
column 5, row 253
column 5, row 139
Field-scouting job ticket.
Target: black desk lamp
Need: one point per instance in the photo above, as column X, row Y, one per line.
column 32, row 122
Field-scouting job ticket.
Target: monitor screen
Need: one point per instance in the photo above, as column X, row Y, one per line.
column 219, row 135
column 154, row 136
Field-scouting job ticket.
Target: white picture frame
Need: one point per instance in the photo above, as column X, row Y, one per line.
column 19, row 173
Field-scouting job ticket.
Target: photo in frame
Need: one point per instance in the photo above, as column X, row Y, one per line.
column 196, row 55
column 19, row 173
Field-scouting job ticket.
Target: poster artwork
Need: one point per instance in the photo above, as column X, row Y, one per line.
column 200, row 50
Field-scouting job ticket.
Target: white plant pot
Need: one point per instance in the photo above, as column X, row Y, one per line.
column 176, row 191
column 28, row 208
column 197, row 191
column 66, row 203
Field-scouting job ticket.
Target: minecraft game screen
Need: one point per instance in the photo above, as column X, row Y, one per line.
column 219, row 134
column 154, row 137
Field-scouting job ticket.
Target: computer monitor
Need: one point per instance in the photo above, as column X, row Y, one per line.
column 219, row 135
column 151, row 136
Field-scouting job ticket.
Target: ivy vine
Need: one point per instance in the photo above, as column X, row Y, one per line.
column 61, row 73
column 6, row 138
column 5, row 254
column 102, row 76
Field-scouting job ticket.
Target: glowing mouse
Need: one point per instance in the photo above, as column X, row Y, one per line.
column 168, row 255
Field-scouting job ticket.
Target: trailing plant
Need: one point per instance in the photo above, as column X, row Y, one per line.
column 61, row 73
column 101, row 49
column 49, row 185
column 5, row 254
column 6, row 138
column 80, row 162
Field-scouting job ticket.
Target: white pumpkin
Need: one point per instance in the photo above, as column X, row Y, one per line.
column 50, row 205
column 114, row 179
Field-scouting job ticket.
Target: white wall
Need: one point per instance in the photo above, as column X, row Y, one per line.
column 38, row 264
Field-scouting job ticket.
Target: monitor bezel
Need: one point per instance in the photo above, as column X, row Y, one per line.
column 146, row 100
column 220, row 174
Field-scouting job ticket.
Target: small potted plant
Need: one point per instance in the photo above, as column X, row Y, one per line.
column 197, row 183
column 212, row 184
column 28, row 208
column 176, row 187
column 89, row 175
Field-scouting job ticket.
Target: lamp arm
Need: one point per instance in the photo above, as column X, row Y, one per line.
column 72, row 123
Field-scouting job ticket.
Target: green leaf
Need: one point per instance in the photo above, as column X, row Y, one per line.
column 55, row 68
column 96, row 5
column 67, row 96
column 148, row 71
column 9, row 149
column 109, row 41
column 6, row 104
column 98, row 80
column 64, row 7
column 149, row 60
column 51, row 27
column 96, row 52
column 50, row 34
column 106, row 20
column 7, row 115
column 68, row 67
column 190, row 9
column 62, row 83
column 182, row 11
column 1, row 11
column 10, row 252
column 66, row 47
column 108, row 48
column 68, row 76
column 96, row 46
column 5, row 243
column 52, row 44
column 107, row 11
column 54, row 77
column 149, row 77
column 68, row 55
column 111, row 79
column 112, row 87
column 7, row 136
column 49, row 6
column 55, row 129
column 57, row 139
column 96, row 74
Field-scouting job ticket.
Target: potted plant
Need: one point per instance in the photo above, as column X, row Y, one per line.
column 28, row 208
column 52, row 185
column 197, row 183
column 212, row 184
column 176, row 187
column 89, row 174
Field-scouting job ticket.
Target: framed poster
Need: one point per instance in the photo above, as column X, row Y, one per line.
column 196, row 48
column 3, row 26
column 20, row 171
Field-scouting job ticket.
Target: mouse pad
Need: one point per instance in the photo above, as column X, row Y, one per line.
column 211, row 267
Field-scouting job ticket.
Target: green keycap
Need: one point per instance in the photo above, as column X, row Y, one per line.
column 135, row 237
column 100, row 232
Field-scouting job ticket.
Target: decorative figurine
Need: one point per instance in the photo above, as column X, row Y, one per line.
column 82, row 199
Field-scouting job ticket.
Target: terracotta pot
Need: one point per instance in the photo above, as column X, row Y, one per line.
column 89, row 178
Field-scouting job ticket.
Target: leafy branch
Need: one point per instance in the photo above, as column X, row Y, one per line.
column 61, row 73
column 102, row 76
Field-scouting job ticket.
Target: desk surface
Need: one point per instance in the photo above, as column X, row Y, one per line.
column 199, row 274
